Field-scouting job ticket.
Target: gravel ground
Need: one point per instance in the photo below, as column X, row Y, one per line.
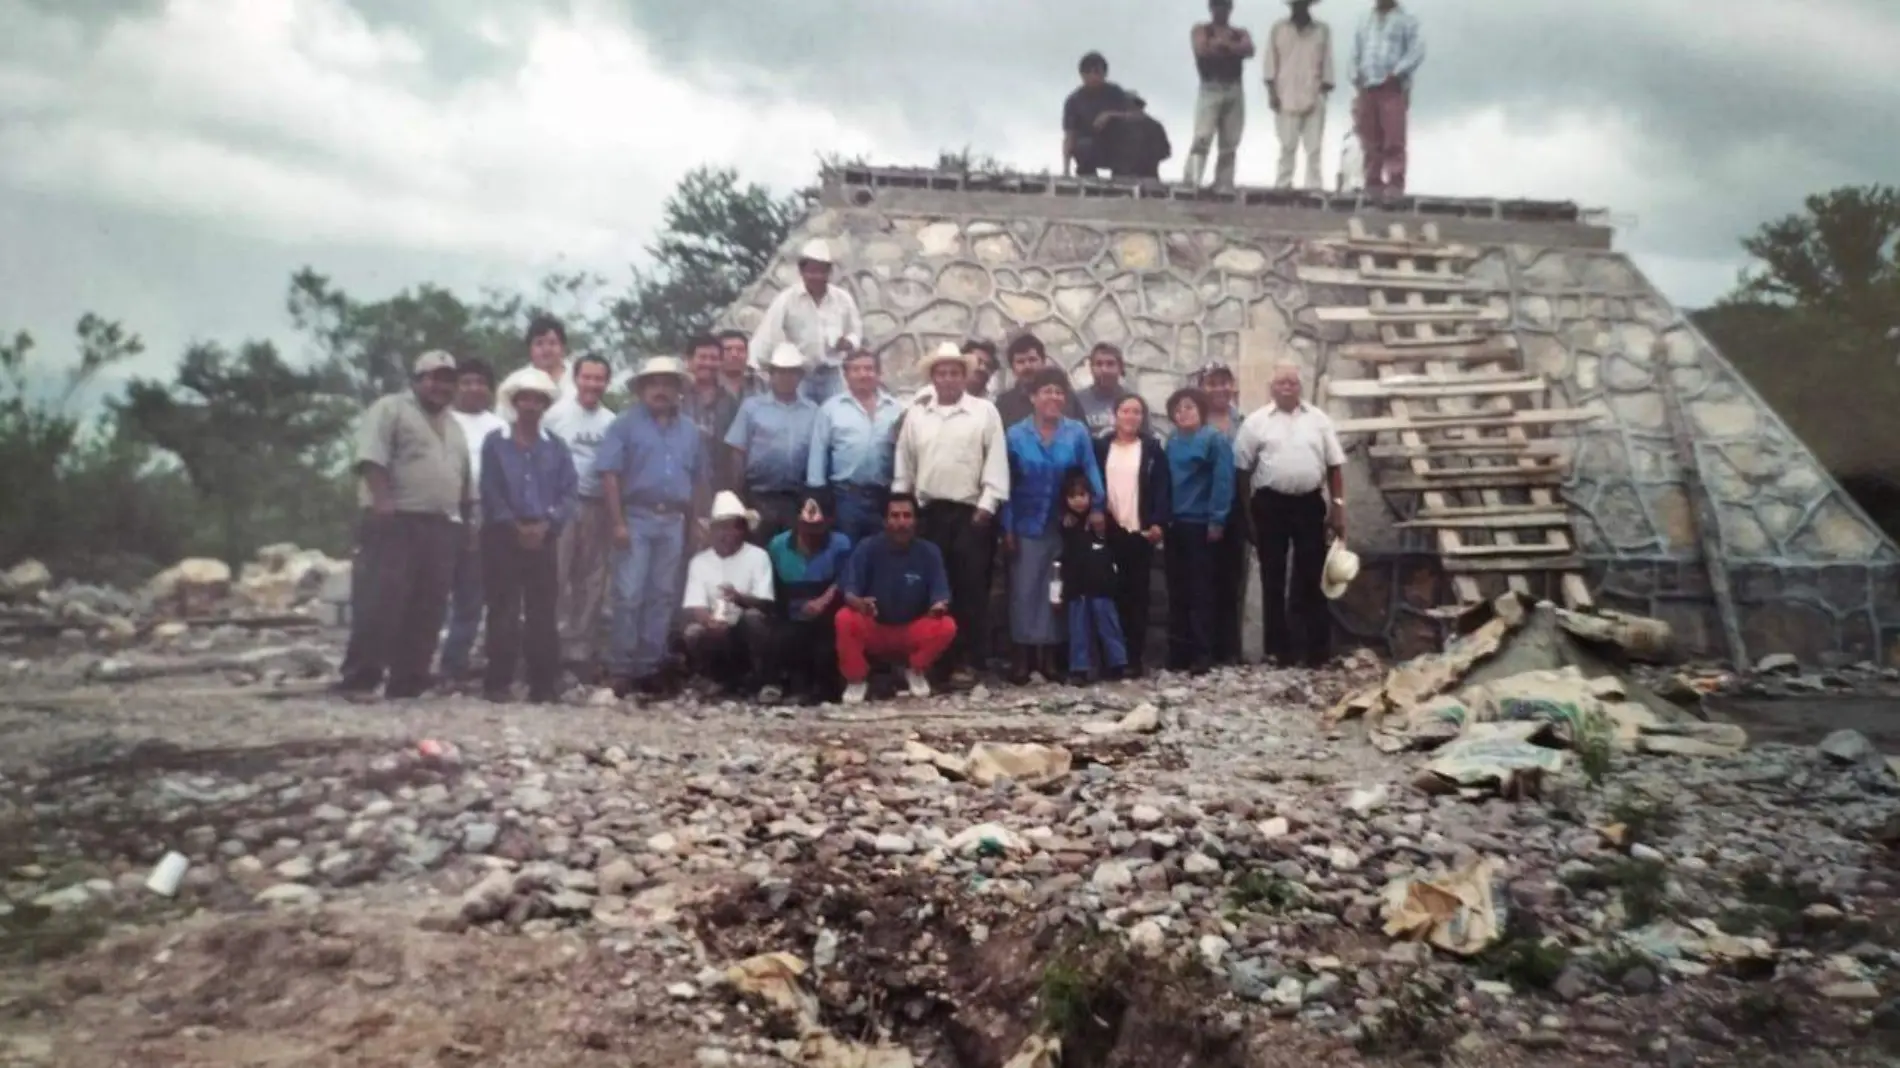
column 452, row 882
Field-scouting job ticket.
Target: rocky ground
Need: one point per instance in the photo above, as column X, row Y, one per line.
column 1189, row 872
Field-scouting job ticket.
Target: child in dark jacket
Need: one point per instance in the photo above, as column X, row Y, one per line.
column 1088, row 586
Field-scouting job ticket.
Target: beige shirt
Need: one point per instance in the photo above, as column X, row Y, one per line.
column 426, row 456
column 1122, row 479
column 1298, row 63
column 1288, row 451
column 953, row 452
column 812, row 325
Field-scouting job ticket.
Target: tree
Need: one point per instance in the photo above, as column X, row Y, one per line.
column 367, row 348
column 1808, row 324
column 262, row 443
column 716, row 236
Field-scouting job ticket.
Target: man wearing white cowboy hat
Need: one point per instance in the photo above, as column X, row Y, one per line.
column 770, row 440
column 413, row 465
column 952, row 456
column 818, row 319
column 529, row 491
column 651, row 466
column 728, row 599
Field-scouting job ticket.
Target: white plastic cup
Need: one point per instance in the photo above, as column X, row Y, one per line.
column 167, row 875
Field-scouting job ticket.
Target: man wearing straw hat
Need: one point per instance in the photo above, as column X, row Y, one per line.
column 952, row 457
column 1298, row 484
column 771, row 442
column 729, row 600
column 650, row 465
column 529, row 493
column 413, row 466
column 818, row 319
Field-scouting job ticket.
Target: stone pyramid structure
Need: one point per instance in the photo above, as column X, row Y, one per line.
column 1525, row 409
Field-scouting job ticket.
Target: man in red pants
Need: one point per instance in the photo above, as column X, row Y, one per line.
column 896, row 604
column 1386, row 53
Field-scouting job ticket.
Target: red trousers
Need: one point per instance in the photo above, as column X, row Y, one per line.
column 918, row 643
column 1379, row 115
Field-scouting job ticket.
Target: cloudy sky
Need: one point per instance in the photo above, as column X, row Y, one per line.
column 170, row 162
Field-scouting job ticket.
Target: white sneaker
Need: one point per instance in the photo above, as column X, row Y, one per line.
column 854, row 693
column 919, row 686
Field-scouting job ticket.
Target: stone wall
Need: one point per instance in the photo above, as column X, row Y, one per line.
column 1811, row 573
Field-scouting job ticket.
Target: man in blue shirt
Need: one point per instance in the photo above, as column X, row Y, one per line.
column 896, row 604
column 854, row 440
column 808, row 562
column 771, row 445
column 529, row 492
column 1386, row 54
column 649, row 466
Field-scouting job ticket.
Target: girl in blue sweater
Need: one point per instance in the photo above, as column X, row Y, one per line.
column 1201, row 490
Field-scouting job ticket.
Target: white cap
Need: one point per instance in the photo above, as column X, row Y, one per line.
column 817, row 250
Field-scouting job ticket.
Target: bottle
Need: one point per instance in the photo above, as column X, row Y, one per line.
column 1055, row 584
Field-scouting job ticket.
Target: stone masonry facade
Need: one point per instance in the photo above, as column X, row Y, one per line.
column 1177, row 286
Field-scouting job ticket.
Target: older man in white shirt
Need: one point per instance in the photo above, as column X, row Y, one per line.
column 952, row 456
column 818, row 318
column 1297, row 473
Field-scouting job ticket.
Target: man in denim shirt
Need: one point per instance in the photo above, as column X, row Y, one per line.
column 649, row 465
column 529, row 489
column 771, row 443
column 853, row 443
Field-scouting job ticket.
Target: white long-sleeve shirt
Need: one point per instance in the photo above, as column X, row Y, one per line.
column 813, row 325
column 953, row 452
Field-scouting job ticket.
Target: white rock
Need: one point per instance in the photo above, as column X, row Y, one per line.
column 1848, row 747
column 682, row 992
column 296, row 869
column 1277, row 827
column 1213, row 947
column 664, row 842
column 167, row 874
column 1145, row 719
column 1342, row 859
column 1644, row 852
column 25, row 580
column 1200, row 864
column 1776, row 662
column 895, row 845
column 1146, row 939
column 64, row 900
column 1289, row 993
column 990, row 836
column 1145, row 816
column 290, row 895
column 1112, row 875
column 1365, row 802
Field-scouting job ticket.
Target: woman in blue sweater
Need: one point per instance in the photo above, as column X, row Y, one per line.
column 1042, row 448
column 1201, row 484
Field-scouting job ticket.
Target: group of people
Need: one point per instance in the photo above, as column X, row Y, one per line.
column 777, row 529
column 1107, row 127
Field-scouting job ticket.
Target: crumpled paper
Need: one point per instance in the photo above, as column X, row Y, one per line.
column 1031, row 766
column 1501, row 758
column 773, row 980
column 1456, row 912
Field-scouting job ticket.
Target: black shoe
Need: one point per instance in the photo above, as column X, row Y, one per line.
column 1117, row 674
column 624, row 687
column 1078, row 678
column 497, row 695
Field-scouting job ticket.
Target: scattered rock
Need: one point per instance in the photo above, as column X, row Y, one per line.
column 1848, row 747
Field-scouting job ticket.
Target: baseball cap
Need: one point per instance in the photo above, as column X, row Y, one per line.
column 432, row 361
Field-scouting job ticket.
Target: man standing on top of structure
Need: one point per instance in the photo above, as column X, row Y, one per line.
column 1091, row 126
column 1386, row 53
column 1299, row 72
column 1220, row 49
column 819, row 319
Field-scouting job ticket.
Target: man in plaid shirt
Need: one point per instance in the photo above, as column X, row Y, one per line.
column 1386, row 53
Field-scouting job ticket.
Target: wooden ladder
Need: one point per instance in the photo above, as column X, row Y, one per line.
column 1460, row 426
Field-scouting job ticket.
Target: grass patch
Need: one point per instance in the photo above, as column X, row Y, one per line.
column 1422, row 1023
column 1644, row 819
column 1772, row 903
column 1525, row 963
column 1595, row 746
column 1618, row 959
column 1642, row 886
column 1259, row 890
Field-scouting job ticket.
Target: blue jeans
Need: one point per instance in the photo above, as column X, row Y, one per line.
column 465, row 607
column 860, row 510
column 1092, row 618
column 822, row 383
column 647, row 579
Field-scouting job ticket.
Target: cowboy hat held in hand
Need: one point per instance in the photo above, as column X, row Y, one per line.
column 1342, row 566
column 526, row 380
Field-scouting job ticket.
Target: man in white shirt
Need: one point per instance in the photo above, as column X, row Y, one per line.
column 586, row 542
column 1297, row 474
column 547, row 351
column 729, row 599
column 952, row 457
column 820, row 319
column 474, row 412
column 1299, row 70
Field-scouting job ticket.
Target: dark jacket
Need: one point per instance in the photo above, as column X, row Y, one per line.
column 1141, row 144
column 1157, row 487
column 1088, row 566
